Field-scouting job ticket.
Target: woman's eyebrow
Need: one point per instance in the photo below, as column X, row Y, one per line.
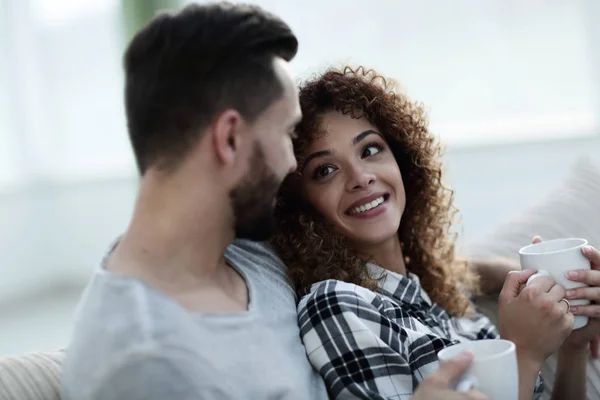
column 317, row 154
column 361, row 136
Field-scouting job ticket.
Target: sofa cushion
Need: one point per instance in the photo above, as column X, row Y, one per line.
column 572, row 209
column 34, row 376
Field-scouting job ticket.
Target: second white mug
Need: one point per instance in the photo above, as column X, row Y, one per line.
column 555, row 258
column 494, row 370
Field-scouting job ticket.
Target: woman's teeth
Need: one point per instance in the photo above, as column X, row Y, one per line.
column 366, row 207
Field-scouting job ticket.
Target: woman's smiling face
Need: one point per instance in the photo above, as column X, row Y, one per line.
column 350, row 176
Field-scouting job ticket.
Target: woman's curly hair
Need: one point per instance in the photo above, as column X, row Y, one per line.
column 312, row 248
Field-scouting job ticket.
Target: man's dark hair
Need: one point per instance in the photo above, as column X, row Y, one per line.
column 183, row 68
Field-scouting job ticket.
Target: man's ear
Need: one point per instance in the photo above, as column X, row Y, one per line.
column 226, row 137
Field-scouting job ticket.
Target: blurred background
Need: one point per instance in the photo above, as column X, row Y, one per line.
column 512, row 89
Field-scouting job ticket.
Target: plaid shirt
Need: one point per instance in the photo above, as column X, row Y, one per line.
column 380, row 345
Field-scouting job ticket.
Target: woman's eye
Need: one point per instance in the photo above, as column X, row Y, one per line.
column 371, row 150
column 323, row 171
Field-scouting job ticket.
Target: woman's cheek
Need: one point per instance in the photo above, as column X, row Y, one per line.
column 323, row 203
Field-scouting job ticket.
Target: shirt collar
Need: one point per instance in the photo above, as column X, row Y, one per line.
column 406, row 289
column 107, row 255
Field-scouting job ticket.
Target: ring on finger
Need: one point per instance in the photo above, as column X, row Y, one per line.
column 567, row 303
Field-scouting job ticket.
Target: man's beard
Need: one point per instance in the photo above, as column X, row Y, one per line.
column 253, row 200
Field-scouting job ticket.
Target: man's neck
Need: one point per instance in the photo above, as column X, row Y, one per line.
column 171, row 244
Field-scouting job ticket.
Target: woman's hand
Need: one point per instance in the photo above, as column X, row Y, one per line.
column 533, row 317
column 589, row 333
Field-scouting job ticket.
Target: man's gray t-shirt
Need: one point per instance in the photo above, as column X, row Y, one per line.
column 132, row 342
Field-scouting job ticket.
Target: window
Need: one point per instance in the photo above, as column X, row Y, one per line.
column 486, row 71
column 63, row 74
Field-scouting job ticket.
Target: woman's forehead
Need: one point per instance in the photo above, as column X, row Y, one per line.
column 337, row 122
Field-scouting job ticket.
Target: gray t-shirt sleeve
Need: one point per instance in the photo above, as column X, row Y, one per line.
column 146, row 375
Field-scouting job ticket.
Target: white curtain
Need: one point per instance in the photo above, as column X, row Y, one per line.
column 62, row 116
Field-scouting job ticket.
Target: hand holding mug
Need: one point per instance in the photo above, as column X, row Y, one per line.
column 558, row 259
column 577, row 265
column 533, row 317
column 591, row 277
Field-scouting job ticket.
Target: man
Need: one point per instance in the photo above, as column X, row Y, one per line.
column 177, row 311
column 211, row 106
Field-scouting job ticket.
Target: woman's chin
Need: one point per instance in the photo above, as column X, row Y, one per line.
column 370, row 232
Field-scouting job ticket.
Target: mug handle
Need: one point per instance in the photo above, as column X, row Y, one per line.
column 541, row 272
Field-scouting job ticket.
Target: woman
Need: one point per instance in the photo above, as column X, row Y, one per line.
column 364, row 226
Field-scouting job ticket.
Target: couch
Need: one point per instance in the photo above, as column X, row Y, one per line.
column 572, row 209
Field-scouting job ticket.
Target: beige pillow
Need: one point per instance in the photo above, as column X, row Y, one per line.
column 570, row 210
column 34, row 376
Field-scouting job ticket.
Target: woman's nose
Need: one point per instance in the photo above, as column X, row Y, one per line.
column 360, row 179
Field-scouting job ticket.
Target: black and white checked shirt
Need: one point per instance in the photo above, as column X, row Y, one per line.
column 380, row 345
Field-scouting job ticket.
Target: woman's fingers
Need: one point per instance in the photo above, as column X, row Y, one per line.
column 593, row 255
column 590, row 277
column 585, row 293
column 541, row 284
column 592, row 310
column 513, row 283
column 557, row 293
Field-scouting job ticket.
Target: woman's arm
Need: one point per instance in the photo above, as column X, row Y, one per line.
column 492, row 272
column 529, row 371
column 570, row 380
column 354, row 346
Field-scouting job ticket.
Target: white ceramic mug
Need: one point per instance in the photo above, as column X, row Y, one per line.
column 494, row 370
column 555, row 258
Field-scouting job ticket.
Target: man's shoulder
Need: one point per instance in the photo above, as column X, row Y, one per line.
column 117, row 313
column 244, row 252
column 255, row 249
column 123, row 301
column 120, row 321
column 262, row 266
column 113, row 372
